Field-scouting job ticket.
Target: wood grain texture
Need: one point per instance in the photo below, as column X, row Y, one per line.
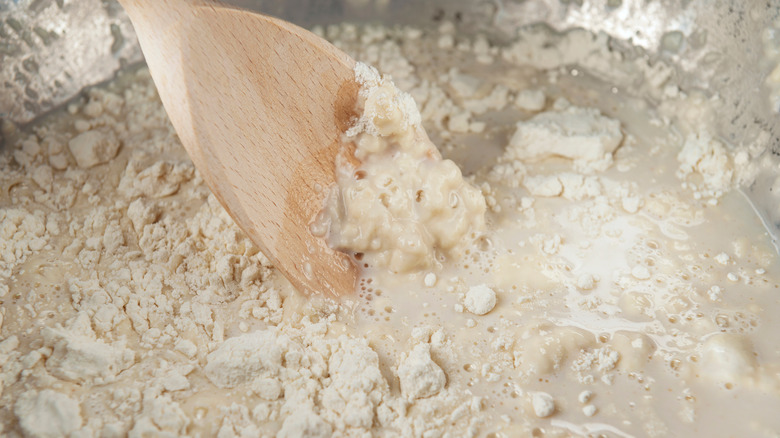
column 260, row 105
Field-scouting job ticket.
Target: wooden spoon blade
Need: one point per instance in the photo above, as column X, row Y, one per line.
column 261, row 106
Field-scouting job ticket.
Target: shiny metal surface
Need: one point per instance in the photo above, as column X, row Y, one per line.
column 51, row 49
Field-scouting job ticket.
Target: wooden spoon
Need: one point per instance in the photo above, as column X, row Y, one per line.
column 260, row 105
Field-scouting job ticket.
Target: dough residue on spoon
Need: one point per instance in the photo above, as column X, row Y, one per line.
column 405, row 207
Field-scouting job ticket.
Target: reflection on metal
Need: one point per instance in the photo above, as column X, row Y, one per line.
column 51, row 49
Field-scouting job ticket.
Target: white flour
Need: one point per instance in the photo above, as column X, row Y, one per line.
column 580, row 134
column 47, row 414
column 419, row 375
column 597, row 274
column 480, row 299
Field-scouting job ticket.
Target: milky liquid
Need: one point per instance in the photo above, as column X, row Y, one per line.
column 651, row 301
